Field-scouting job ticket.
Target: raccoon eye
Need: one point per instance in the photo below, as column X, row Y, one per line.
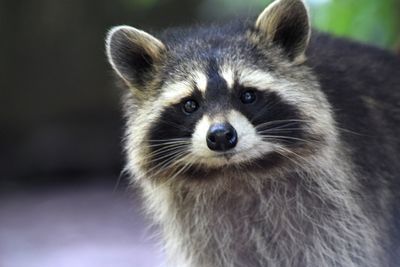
column 190, row 106
column 248, row 97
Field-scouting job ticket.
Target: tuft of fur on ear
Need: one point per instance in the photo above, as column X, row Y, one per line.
column 286, row 23
column 133, row 54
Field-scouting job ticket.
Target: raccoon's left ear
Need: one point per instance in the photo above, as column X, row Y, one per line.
column 133, row 54
column 286, row 23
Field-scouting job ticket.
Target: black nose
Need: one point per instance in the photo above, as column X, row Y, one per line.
column 221, row 137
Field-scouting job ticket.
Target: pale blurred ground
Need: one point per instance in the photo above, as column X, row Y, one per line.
column 89, row 226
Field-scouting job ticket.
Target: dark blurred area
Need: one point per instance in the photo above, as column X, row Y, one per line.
column 59, row 112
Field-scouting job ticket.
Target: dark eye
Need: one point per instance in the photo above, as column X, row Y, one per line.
column 190, row 106
column 248, row 97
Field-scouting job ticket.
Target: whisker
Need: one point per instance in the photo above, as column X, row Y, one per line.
column 164, row 164
column 163, row 151
column 288, row 138
column 169, row 144
column 166, row 155
column 297, row 163
column 176, row 160
column 171, row 179
column 159, row 161
column 185, row 167
column 268, row 123
column 119, row 179
column 280, row 123
column 175, row 125
column 351, row 132
column 294, row 153
column 280, row 130
column 268, row 105
column 169, row 139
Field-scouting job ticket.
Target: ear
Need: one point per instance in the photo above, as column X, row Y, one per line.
column 286, row 23
column 133, row 54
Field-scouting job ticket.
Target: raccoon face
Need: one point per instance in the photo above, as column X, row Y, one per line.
column 217, row 97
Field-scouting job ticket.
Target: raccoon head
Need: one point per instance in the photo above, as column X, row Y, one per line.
column 207, row 99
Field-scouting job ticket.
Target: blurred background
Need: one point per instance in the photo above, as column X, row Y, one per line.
column 62, row 200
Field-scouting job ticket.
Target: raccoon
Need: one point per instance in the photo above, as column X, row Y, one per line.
column 263, row 143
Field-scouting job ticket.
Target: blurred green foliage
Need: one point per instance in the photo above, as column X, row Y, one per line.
column 372, row 21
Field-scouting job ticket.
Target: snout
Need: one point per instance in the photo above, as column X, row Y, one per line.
column 221, row 137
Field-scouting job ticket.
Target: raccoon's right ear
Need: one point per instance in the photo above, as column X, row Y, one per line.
column 286, row 23
column 133, row 54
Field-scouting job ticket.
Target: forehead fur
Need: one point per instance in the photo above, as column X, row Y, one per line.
column 193, row 49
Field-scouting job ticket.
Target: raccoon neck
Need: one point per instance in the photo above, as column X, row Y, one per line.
column 307, row 217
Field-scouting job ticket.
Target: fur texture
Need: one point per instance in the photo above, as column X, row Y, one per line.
column 313, row 179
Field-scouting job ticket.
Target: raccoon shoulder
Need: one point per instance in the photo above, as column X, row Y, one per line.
column 362, row 83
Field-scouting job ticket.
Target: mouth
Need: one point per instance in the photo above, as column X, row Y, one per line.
column 225, row 155
column 230, row 157
column 219, row 159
